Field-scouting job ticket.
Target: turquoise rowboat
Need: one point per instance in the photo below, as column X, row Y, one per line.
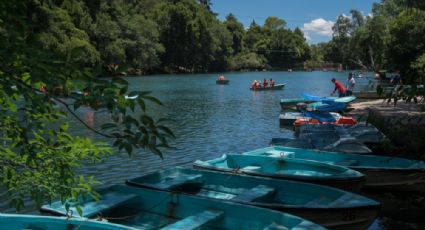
column 329, row 207
column 153, row 209
column 19, row 222
column 382, row 172
column 288, row 169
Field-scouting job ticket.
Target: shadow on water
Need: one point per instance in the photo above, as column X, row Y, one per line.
column 208, row 120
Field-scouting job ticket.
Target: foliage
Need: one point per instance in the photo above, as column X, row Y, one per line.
column 38, row 155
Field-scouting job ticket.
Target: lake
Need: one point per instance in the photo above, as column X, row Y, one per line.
column 208, row 119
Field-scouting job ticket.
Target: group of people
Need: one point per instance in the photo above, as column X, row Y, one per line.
column 344, row 91
column 256, row 84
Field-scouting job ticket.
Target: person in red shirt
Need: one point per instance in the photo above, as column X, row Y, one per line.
column 265, row 83
column 338, row 86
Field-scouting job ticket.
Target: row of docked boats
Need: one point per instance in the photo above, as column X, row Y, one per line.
column 284, row 188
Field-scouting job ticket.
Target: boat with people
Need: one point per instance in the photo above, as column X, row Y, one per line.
column 274, row 87
column 287, row 169
column 382, row 172
column 20, row 221
column 221, row 81
column 143, row 208
column 323, row 205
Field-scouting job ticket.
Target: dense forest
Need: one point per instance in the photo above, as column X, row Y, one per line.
column 151, row 36
column 161, row 36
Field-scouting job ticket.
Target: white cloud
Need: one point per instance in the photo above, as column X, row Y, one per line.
column 317, row 26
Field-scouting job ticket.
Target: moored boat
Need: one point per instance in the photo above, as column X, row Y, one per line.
column 324, row 205
column 290, row 103
column 153, row 209
column 19, row 222
column 382, row 172
column 288, row 169
column 275, row 87
column 312, row 118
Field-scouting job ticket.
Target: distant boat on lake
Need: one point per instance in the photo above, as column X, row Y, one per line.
column 275, row 87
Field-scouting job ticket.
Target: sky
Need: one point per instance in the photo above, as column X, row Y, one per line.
column 314, row 17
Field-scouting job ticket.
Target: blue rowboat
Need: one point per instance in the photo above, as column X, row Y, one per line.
column 330, row 106
column 323, row 205
column 310, row 97
column 153, row 209
column 19, row 222
column 275, row 87
column 382, row 172
column 288, row 169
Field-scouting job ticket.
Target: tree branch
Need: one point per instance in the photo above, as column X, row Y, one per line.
column 67, row 106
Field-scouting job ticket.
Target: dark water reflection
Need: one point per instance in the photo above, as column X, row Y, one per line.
column 208, row 119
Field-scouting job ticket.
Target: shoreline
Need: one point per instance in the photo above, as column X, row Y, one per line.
column 403, row 124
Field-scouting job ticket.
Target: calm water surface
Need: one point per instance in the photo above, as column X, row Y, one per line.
column 208, row 119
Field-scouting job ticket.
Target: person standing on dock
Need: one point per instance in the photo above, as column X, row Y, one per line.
column 338, row 86
column 350, row 85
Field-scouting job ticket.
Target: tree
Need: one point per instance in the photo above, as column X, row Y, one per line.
column 38, row 156
column 237, row 31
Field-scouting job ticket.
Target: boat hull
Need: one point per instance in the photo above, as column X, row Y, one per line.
column 19, row 222
column 394, row 179
column 342, row 219
column 276, row 87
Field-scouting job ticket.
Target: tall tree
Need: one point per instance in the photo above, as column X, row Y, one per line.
column 237, row 31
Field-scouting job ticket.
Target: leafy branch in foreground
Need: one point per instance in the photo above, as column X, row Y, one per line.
column 38, row 156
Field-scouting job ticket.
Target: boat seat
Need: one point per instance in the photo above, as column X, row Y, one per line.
column 347, row 162
column 195, row 221
column 278, row 153
column 254, row 193
column 92, row 207
column 172, row 182
column 251, row 168
column 275, row 226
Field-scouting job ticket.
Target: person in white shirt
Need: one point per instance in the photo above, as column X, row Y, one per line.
column 350, row 85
